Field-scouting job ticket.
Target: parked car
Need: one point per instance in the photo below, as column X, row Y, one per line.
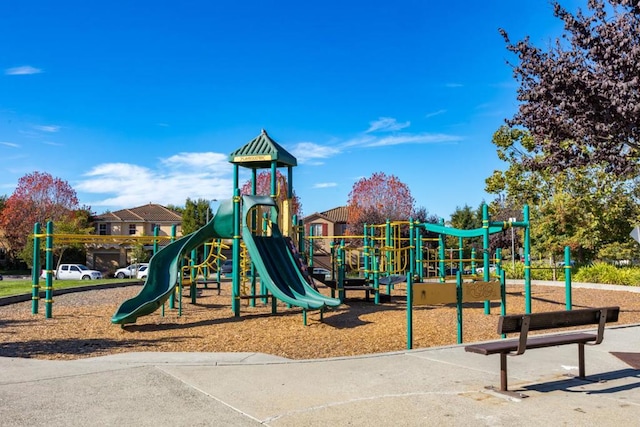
column 129, row 271
column 480, row 270
column 227, row 267
column 142, row 271
column 319, row 270
column 76, row 272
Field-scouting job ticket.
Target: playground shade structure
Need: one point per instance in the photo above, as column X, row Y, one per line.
column 271, row 256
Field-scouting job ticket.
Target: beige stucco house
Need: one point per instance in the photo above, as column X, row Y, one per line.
column 138, row 221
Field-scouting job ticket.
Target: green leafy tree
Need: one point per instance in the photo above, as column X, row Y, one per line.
column 195, row 215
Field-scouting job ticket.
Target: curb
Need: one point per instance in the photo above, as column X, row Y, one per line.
column 27, row 297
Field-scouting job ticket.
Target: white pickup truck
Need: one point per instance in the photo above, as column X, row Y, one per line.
column 76, row 272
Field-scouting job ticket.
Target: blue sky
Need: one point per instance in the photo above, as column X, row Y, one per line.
column 134, row 102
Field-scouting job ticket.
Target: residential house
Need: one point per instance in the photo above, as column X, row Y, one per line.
column 139, row 221
column 331, row 223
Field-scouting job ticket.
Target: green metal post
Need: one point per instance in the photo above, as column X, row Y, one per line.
column 172, row 298
column 409, row 313
column 441, row 253
column 485, row 251
column 48, row 288
column 35, row 272
column 473, row 261
column 156, row 231
column 527, row 260
column 366, row 253
column 459, row 305
column 460, row 253
column 567, row 277
column 389, row 253
column 376, row 277
column 341, row 264
column 235, row 302
column 192, row 276
column 412, row 247
column 419, row 254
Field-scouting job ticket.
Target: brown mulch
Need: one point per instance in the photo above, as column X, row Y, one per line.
column 81, row 324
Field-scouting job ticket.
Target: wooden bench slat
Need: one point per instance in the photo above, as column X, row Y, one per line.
column 556, row 319
column 509, row 346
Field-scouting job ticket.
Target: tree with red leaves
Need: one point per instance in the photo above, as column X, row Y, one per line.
column 263, row 188
column 38, row 197
column 378, row 198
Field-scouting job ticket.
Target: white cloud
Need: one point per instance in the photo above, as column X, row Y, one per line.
column 418, row 138
column 325, row 185
column 306, row 152
column 23, row 70
column 386, row 124
column 434, row 113
column 185, row 175
column 9, row 144
column 453, row 85
column 48, row 128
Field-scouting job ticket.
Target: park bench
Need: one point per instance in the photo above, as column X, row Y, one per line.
column 523, row 323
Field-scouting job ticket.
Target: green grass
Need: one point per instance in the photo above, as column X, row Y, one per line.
column 19, row 287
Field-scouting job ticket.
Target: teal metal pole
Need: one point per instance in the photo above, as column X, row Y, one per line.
column 527, row 260
column 48, row 288
column 441, row 253
column 459, row 305
column 473, row 261
column 192, row 276
column 376, row 277
column 412, row 248
column 366, row 252
column 172, row 297
column 388, row 252
column 35, row 273
column 156, row 231
column 567, row 277
column 409, row 313
column 485, row 251
column 460, row 253
column 419, row 254
column 235, row 302
column 341, row 264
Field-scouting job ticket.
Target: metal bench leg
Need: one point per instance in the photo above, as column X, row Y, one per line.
column 503, row 371
column 581, row 370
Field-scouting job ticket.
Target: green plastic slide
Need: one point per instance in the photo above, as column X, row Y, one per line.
column 276, row 264
column 164, row 267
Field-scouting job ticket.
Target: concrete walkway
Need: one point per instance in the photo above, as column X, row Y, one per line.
column 436, row 386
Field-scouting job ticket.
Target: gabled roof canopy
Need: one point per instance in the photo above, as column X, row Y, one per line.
column 260, row 152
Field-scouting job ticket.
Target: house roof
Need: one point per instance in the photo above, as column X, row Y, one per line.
column 335, row 215
column 260, row 152
column 148, row 213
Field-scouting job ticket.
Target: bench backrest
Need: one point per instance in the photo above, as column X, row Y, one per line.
column 556, row 319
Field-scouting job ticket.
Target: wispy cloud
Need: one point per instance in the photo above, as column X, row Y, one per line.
column 23, row 70
column 55, row 144
column 417, row 138
column 306, row 152
column 386, row 124
column 434, row 113
column 185, row 175
column 47, row 128
column 9, row 144
column 453, row 85
column 325, row 185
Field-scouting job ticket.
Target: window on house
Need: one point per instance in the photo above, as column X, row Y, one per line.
column 153, row 228
column 317, row 229
column 102, row 229
column 132, row 229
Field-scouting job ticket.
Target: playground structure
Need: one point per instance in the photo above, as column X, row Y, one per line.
column 256, row 221
column 260, row 230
